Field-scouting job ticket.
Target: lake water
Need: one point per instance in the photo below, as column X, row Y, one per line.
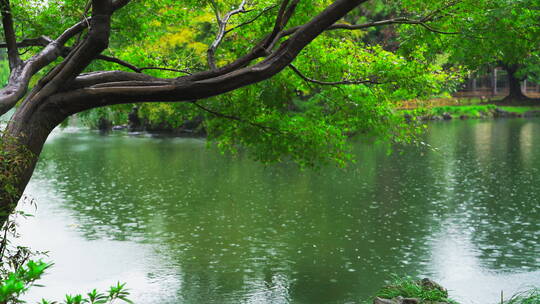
column 181, row 223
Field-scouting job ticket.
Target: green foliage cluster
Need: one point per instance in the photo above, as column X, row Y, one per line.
column 19, row 282
column 117, row 115
column 482, row 33
column 4, row 72
column 115, row 292
column 410, row 288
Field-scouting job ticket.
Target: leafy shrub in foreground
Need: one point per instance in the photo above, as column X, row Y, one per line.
column 17, row 283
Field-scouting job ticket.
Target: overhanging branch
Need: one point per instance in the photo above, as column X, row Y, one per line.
column 20, row 76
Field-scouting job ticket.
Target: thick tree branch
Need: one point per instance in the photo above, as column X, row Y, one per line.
column 20, row 77
column 77, row 60
column 191, row 88
column 286, row 12
column 95, row 78
column 268, row 43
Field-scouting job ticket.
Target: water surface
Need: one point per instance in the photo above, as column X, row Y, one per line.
column 183, row 224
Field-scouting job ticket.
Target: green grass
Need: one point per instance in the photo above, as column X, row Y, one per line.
column 527, row 297
column 519, row 110
column 409, row 288
column 471, row 111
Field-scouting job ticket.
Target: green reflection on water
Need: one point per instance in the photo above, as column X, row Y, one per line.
column 237, row 231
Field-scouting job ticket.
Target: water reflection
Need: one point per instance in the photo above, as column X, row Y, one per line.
column 219, row 230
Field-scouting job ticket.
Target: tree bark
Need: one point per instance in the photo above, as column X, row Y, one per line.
column 515, row 94
column 30, row 135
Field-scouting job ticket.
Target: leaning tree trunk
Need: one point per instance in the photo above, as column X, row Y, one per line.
column 21, row 144
column 35, row 118
column 515, row 94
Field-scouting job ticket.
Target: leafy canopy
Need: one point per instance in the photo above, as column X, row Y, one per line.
column 484, row 32
column 286, row 117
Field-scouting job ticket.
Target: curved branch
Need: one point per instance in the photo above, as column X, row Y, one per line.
column 189, row 88
column 400, row 20
column 20, row 76
column 222, row 23
column 77, row 60
column 96, row 78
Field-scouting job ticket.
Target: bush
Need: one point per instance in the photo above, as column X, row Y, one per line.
column 424, row 290
column 19, row 282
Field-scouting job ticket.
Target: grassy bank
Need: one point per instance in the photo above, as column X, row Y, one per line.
column 527, row 297
column 407, row 290
column 452, row 108
column 424, row 291
column 473, row 111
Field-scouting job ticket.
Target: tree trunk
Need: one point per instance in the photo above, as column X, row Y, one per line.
column 515, row 93
column 22, row 143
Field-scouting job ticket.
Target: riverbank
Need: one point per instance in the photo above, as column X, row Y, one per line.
column 472, row 112
column 447, row 112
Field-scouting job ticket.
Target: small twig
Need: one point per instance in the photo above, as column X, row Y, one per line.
column 222, row 25
column 400, row 20
column 84, row 18
column 219, row 114
column 165, row 69
column 343, row 82
column 28, row 42
column 252, row 19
